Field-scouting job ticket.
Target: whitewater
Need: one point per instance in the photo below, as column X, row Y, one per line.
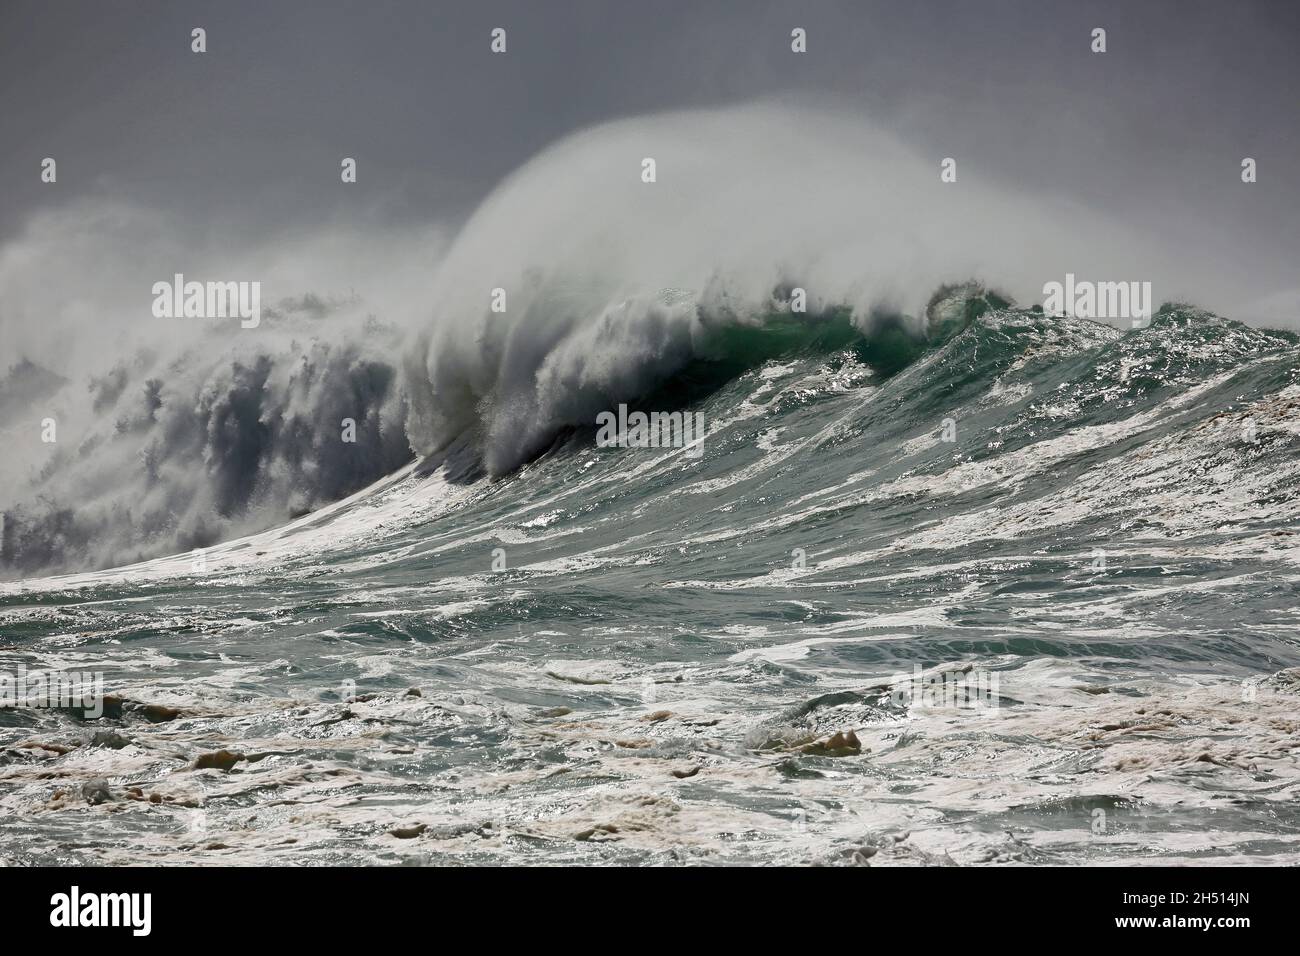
column 476, row 636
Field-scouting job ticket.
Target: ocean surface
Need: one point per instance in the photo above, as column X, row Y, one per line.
column 653, row 656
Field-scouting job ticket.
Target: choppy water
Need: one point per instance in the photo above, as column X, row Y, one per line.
column 651, row 666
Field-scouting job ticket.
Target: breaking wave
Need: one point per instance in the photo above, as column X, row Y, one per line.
column 171, row 436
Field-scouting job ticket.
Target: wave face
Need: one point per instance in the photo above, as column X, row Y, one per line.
column 175, row 434
column 613, row 284
column 645, row 655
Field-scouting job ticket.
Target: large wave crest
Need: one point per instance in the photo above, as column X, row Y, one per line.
column 177, row 433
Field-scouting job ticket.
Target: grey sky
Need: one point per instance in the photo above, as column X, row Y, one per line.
column 248, row 137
